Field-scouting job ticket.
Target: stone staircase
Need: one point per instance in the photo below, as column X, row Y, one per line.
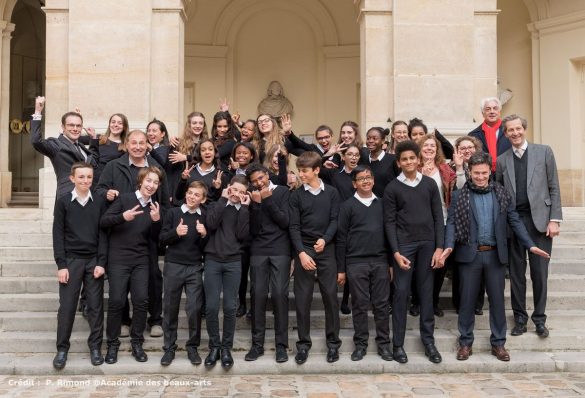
column 29, row 302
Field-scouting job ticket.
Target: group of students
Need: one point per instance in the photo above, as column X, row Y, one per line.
column 371, row 218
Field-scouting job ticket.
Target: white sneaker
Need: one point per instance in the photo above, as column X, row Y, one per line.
column 125, row 331
column 156, row 331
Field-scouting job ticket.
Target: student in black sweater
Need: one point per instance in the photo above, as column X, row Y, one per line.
column 314, row 208
column 134, row 225
column 323, row 136
column 362, row 259
column 413, row 219
column 184, row 236
column 80, row 250
column 382, row 164
column 228, row 222
column 270, row 260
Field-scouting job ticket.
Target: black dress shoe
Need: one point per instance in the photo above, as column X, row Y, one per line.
column 358, row 354
column 478, row 311
column 332, row 355
column 138, row 353
column 95, row 356
column 226, row 358
column 60, row 360
column 432, row 353
column 212, row 357
column 241, row 311
column 541, row 330
column 167, row 358
column 438, row 312
column 281, row 354
column 302, row 356
column 519, row 329
column 344, row 308
column 399, row 355
column 112, row 354
column 254, row 353
column 193, row 356
column 385, row 353
column 414, row 310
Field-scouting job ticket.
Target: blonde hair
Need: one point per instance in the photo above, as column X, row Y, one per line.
column 270, row 155
column 274, row 137
column 187, row 141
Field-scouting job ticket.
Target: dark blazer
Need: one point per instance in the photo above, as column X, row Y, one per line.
column 502, row 144
column 62, row 154
column 465, row 253
column 117, row 175
column 543, row 189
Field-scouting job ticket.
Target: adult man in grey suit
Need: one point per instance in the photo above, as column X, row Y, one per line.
column 529, row 173
column 64, row 150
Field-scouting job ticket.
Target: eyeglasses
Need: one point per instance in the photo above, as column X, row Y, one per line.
column 74, row 126
column 327, row 137
column 264, row 121
column 466, row 148
column 352, row 155
column 364, row 179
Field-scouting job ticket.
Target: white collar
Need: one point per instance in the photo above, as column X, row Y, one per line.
column 523, row 147
column 343, row 170
column 315, row 191
column 271, row 186
column 240, row 172
column 82, row 201
column 236, row 205
column 186, row 209
column 366, row 201
column 155, row 146
column 130, row 163
column 319, row 147
column 411, row 183
column 204, row 172
column 143, row 203
column 380, row 156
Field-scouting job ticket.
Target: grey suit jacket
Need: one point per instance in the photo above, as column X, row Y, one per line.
column 543, row 188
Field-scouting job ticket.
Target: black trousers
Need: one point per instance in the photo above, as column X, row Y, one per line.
column 420, row 255
column 304, row 285
column 486, row 266
column 179, row 277
column 369, row 286
column 123, row 277
column 155, row 290
column 456, row 287
column 81, row 273
column 269, row 273
column 538, row 274
column 243, row 289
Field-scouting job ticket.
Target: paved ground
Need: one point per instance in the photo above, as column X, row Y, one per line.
column 470, row 385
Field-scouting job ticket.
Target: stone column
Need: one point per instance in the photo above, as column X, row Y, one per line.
column 5, row 174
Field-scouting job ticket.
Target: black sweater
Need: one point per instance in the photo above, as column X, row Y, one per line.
column 228, row 227
column 313, row 217
column 188, row 249
column 269, row 222
column 360, row 236
column 131, row 242
column 76, row 231
column 212, row 193
column 340, row 180
column 383, row 170
column 413, row 214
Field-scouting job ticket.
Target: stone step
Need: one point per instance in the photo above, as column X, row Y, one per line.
column 39, row 302
column 39, row 364
column 445, row 340
column 49, row 284
column 26, row 239
column 47, row 321
column 20, row 215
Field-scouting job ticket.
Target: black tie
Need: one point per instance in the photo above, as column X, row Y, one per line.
column 80, row 150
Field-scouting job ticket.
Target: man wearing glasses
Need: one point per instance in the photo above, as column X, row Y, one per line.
column 64, row 150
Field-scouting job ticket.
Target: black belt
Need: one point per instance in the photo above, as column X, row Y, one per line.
column 485, row 248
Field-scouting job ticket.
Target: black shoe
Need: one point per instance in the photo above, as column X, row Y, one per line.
column 385, row 353
column 432, row 353
column 112, row 354
column 479, row 311
column 358, row 354
column 60, row 360
column 226, row 358
column 541, row 330
column 138, row 353
column 414, row 310
column 241, row 311
column 332, row 355
column 254, row 353
column 519, row 329
column 193, row 356
column 399, row 355
column 167, row 358
column 302, row 356
column 438, row 312
column 95, row 356
column 344, row 308
column 212, row 357
column 281, row 354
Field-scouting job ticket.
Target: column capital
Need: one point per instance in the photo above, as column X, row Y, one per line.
column 7, row 28
column 172, row 6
